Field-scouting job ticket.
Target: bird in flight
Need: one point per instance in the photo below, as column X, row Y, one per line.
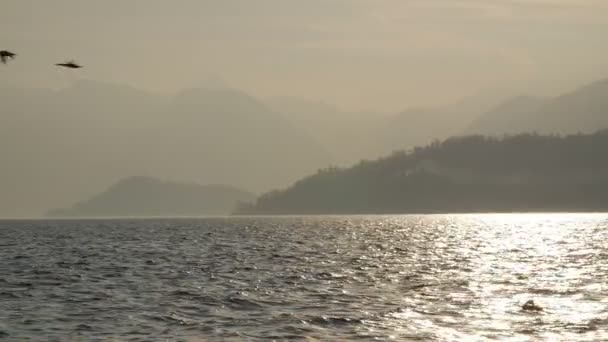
column 5, row 55
column 70, row 65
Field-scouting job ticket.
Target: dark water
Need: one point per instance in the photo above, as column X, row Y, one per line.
column 393, row 277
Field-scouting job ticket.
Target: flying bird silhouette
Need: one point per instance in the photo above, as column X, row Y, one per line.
column 5, row 55
column 70, row 65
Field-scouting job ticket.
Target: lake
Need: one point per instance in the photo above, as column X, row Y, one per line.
column 427, row 278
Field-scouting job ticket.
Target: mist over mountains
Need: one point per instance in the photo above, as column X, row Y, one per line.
column 584, row 110
column 61, row 146
column 149, row 197
column 526, row 172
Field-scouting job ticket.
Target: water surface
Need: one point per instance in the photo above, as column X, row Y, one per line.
column 438, row 277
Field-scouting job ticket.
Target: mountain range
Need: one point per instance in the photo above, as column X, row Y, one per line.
column 60, row 146
column 583, row 110
column 149, row 197
column 526, row 172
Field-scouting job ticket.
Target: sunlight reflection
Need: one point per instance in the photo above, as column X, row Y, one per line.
column 508, row 259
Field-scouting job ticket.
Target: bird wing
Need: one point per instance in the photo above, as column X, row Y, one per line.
column 3, row 58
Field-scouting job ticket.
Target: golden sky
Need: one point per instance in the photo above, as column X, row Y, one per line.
column 382, row 54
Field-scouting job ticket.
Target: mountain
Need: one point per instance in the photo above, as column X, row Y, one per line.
column 59, row 146
column 149, row 197
column 583, row 110
column 417, row 126
column 525, row 172
column 347, row 136
column 511, row 116
column 232, row 138
column 420, row 126
column 351, row 136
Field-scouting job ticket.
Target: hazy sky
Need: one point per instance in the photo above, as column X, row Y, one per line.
column 384, row 54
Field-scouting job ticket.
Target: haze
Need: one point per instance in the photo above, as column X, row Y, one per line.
column 384, row 54
column 256, row 94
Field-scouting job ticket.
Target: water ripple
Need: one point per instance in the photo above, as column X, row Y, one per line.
column 437, row 277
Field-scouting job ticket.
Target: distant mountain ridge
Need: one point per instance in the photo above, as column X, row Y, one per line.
column 59, row 146
column 583, row 110
column 525, row 172
column 507, row 117
column 347, row 136
column 149, row 197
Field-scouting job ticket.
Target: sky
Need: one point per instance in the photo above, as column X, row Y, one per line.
column 358, row 54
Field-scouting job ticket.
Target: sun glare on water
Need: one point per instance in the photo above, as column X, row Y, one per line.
column 546, row 258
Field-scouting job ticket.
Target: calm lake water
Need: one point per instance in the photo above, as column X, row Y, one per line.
column 427, row 278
